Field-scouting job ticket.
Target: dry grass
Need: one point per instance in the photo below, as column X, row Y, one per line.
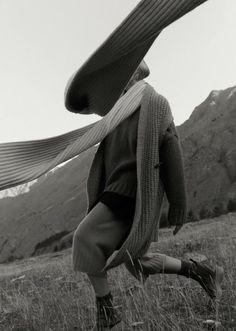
column 43, row 293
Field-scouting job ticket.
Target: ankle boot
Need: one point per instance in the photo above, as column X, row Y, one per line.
column 209, row 278
column 107, row 315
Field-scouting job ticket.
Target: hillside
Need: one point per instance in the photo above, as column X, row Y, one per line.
column 208, row 139
column 44, row 218
column 43, row 293
column 52, row 208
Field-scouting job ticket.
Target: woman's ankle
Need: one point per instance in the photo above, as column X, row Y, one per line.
column 103, row 295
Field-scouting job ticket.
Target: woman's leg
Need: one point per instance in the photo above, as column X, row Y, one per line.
column 96, row 238
column 99, row 283
column 153, row 263
column 161, row 263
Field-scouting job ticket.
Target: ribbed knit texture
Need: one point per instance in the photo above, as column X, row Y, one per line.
column 119, row 149
column 172, row 175
column 21, row 162
column 95, row 88
column 154, row 119
column 94, row 84
column 101, row 80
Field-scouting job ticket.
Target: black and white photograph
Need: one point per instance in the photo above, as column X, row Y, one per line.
column 118, row 165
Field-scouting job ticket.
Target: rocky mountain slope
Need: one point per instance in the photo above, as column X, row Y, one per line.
column 43, row 219
column 209, row 146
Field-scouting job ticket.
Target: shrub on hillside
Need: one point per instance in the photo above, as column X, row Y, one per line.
column 192, row 217
column 219, row 210
column 205, row 213
column 231, row 207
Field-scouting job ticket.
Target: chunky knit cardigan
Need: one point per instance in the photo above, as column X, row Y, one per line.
column 93, row 90
column 155, row 117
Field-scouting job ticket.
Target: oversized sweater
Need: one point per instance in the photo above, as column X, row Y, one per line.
column 120, row 173
column 154, row 119
column 119, row 150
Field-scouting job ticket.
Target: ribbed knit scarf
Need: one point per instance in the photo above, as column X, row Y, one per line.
column 114, row 62
column 99, row 82
column 21, row 162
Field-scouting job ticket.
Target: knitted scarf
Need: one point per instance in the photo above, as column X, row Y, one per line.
column 99, row 82
column 21, row 162
column 96, row 87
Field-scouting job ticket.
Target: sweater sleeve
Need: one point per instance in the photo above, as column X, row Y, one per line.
column 172, row 176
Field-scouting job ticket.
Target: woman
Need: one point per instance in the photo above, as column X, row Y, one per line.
column 109, row 220
column 133, row 166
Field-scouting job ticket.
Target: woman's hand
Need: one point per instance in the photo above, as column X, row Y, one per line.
column 177, row 228
column 176, row 217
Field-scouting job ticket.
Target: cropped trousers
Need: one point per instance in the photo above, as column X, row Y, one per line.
column 100, row 233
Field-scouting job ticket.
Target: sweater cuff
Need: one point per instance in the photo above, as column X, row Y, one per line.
column 177, row 215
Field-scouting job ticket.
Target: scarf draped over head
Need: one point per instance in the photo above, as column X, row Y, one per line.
column 97, row 85
column 95, row 88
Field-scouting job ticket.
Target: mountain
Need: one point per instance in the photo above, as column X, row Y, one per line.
column 208, row 140
column 54, row 206
column 44, row 218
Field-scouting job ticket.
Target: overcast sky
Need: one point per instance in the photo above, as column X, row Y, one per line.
column 44, row 42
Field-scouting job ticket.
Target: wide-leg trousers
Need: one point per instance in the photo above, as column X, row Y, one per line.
column 101, row 233
column 98, row 235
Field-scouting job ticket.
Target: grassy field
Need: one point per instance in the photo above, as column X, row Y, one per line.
column 43, row 293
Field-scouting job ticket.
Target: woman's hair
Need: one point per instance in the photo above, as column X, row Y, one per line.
column 142, row 71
